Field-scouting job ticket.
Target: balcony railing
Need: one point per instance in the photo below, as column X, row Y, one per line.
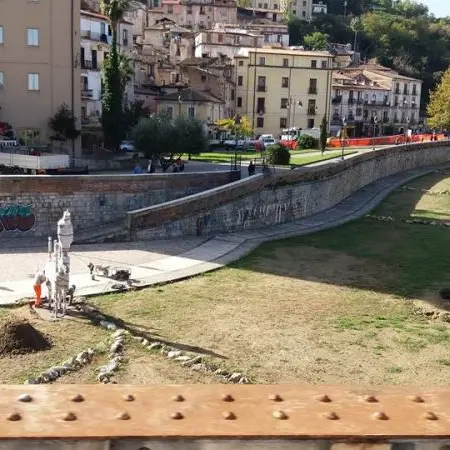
column 337, row 99
column 87, row 93
column 397, row 91
column 359, row 101
column 94, row 36
column 89, row 65
column 311, row 111
column 312, row 90
column 261, row 88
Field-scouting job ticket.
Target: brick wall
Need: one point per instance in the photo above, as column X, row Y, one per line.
column 262, row 201
column 31, row 205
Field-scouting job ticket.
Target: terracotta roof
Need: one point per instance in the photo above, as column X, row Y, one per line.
column 190, row 95
column 282, row 51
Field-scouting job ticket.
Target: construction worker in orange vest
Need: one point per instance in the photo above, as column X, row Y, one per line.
column 39, row 280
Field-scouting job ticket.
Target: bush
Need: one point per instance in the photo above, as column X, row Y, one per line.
column 278, row 154
column 306, row 141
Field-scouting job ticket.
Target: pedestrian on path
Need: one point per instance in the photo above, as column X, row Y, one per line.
column 251, row 169
column 39, row 279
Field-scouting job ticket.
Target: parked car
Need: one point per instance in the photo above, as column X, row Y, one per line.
column 267, row 142
column 127, row 146
column 241, row 143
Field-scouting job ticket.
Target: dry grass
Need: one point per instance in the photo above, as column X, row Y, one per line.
column 333, row 307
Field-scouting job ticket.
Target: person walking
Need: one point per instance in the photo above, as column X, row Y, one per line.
column 251, row 168
column 138, row 169
column 39, row 279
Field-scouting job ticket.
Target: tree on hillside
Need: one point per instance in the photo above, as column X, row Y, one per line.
column 64, row 124
column 112, row 123
column 438, row 109
column 316, row 41
column 356, row 26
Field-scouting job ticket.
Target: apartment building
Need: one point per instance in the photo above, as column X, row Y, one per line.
column 281, row 88
column 217, row 42
column 196, row 15
column 371, row 93
column 39, row 42
column 96, row 38
column 303, row 9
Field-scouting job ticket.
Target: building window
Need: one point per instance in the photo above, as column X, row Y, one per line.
column 262, row 84
column 32, row 37
column 33, row 81
column 170, row 9
column 262, row 61
column 313, row 63
column 311, row 107
column 310, row 123
column 266, row 6
column 232, row 95
column 358, row 112
column 283, row 122
column 2, row 79
column 220, row 37
column 261, row 105
column 294, row 12
column 312, row 86
column 303, row 13
column 240, row 80
column 284, row 103
column 260, row 5
column 239, row 102
column 169, row 112
column 189, row 9
column 304, row 2
column 203, row 78
column 125, row 38
column 324, row 64
column 191, row 112
column 202, row 10
column 275, row 6
column 285, row 82
column 241, row 63
column 260, row 122
column 285, row 62
column 1, row 34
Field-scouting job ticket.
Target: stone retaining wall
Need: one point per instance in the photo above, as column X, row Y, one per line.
column 269, row 200
column 31, row 205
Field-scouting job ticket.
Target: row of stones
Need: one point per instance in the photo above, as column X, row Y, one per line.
column 195, row 362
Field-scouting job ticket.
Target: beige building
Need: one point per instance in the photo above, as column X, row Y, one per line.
column 39, row 44
column 195, row 15
column 193, row 104
column 278, row 88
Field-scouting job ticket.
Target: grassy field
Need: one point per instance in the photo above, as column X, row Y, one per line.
column 299, row 157
column 332, row 307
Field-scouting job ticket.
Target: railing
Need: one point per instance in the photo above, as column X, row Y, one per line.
column 223, row 417
column 337, row 99
column 87, row 93
column 261, row 88
column 89, row 65
column 94, row 36
column 311, row 112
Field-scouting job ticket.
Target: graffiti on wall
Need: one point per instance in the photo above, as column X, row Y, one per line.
column 16, row 217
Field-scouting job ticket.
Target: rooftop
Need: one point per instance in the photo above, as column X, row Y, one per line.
column 190, row 95
column 244, row 52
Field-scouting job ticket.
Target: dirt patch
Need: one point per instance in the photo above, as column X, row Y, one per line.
column 19, row 337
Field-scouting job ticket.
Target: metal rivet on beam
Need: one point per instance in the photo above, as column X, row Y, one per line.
column 380, row 416
column 178, row 398
column 229, row 415
column 430, row 416
column 417, row 399
column 370, row 399
column 280, row 415
column 14, row 417
column 129, row 398
column 332, row 416
column 78, row 398
column 25, row 398
column 124, row 416
column 227, row 398
column 275, row 398
column 176, row 416
column 324, row 398
column 69, row 417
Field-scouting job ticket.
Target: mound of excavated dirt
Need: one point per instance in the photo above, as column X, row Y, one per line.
column 19, row 336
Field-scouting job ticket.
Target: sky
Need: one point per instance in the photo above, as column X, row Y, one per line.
column 440, row 8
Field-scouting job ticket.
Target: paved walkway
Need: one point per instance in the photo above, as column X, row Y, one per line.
column 164, row 261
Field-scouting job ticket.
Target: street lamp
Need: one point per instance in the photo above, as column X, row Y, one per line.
column 344, row 124
column 374, row 121
column 237, row 121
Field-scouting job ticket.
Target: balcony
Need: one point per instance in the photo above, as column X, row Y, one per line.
column 89, row 65
column 397, row 91
column 94, row 36
column 261, row 110
column 87, row 93
column 312, row 90
column 351, row 101
column 261, row 88
column 311, row 111
column 335, row 119
column 90, row 121
column 337, row 99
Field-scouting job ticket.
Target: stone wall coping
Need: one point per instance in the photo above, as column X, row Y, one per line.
column 232, row 191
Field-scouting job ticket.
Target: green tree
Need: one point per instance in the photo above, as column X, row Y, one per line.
column 356, row 26
column 323, row 134
column 316, row 41
column 134, row 112
column 112, row 120
column 64, row 124
column 439, row 107
column 192, row 137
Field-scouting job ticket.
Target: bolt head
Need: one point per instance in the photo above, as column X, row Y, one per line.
column 176, row 416
column 124, row 416
column 431, row 416
column 14, row 417
column 380, row 416
column 78, row 398
column 229, row 415
column 69, row 417
column 370, row 399
column 178, row 398
column 332, row 416
column 279, row 415
column 227, row 398
column 25, row 398
column 324, row 398
column 275, row 398
column 417, row 399
column 129, row 398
